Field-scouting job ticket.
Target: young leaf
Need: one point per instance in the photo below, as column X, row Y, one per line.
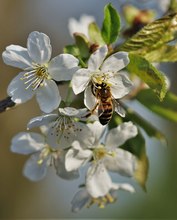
column 111, row 24
column 167, row 109
column 153, row 35
column 72, row 49
column 137, row 147
column 149, row 74
column 95, row 34
column 166, row 53
column 83, row 44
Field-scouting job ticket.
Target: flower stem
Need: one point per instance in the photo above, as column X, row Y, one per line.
column 68, row 99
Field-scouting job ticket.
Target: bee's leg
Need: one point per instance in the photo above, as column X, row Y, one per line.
column 91, row 111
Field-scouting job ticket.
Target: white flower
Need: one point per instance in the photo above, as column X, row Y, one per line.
column 83, row 199
column 102, row 71
column 80, row 26
column 41, row 154
column 39, row 72
column 106, row 157
column 64, row 127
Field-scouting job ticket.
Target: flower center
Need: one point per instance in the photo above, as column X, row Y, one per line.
column 100, row 152
column 65, row 126
column 35, row 77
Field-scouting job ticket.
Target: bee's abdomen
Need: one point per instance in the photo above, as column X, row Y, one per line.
column 106, row 116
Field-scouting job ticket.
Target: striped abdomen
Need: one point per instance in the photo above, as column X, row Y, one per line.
column 105, row 111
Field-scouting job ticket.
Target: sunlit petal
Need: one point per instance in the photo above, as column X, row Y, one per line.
column 17, row 56
column 39, row 47
column 96, row 59
column 62, row 67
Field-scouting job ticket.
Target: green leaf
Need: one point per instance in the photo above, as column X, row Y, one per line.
column 111, row 24
column 83, row 45
column 150, row 130
column 137, row 147
column 153, row 35
column 72, row 49
column 166, row 53
column 95, row 34
column 166, row 109
column 149, row 74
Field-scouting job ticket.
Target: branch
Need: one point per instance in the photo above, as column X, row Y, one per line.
column 6, row 104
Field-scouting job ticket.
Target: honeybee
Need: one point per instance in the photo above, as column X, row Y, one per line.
column 106, row 104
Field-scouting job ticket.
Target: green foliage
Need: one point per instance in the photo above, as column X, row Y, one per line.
column 152, row 36
column 149, row 74
column 166, row 53
column 137, row 147
column 111, row 24
column 167, row 109
column 95, row 34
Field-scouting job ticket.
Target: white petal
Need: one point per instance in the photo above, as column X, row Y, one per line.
column 17, row 90
column 16, row 56
column 84, row 135
column 73, row 112
column 61, row 171
column 39, row 47
column 69, row 111
column 41, row 120
column 80, row 200
column 33, row 170
column 123, row 162
column 96, row 59
column 76, row 157
column 62, row 67
column 127, row 187
column 98, row 181
column 119, row 135
column 115, row 62
column 27, row 143
column 97, row 131
column 120, row 85
column 89, row 99
column 80, row 26
column 48, row 96
column 80, row 80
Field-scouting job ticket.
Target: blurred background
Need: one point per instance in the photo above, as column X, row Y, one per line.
column 50, row 198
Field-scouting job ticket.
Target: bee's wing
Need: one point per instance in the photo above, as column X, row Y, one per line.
column 100, row 109
column 119, row 109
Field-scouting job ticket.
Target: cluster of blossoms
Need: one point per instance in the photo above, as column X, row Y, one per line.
column 93, row 132
column 71, row 138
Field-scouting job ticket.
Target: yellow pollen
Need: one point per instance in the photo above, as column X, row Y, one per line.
column 99, row 78
column 99, row 153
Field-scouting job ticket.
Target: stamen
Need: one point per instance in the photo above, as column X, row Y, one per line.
column 35, row 77
column 109, row 198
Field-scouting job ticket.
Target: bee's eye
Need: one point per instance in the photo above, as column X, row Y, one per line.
column 103, row 84
column 97, row 85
